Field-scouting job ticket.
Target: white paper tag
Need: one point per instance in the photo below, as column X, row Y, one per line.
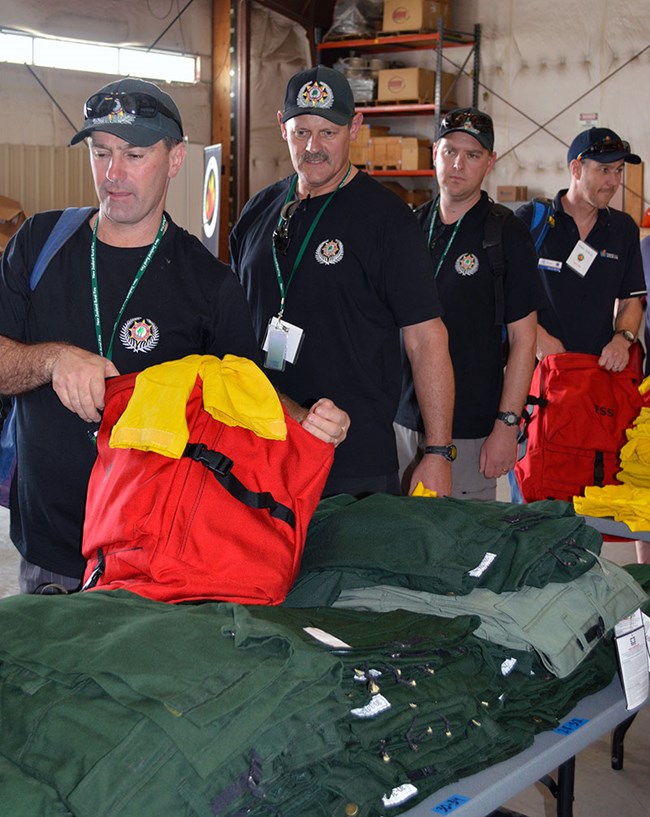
column 581, row 258
column 377, row 705
column 399, row 795
column 632, row 651
column 326, row 638
column 480, row 569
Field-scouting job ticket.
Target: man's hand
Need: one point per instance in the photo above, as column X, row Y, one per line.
column 327, row 421
column 499, row 451
column 78, row 378
column 434, row 472
column 615, row 356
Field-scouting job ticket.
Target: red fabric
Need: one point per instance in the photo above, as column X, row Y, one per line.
column 169, row 531
column 582, row 424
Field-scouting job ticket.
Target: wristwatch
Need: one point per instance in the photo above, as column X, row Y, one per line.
column 447, row 451
column 629, row 336
column 508, row 417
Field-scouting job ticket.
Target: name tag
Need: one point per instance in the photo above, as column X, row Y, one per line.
column 581, row 258
column 549, row 264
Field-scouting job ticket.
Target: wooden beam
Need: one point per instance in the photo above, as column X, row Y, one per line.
column 221, row 129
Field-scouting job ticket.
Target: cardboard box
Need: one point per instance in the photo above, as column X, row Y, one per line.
column 11, row 217
column 414, row 198
column 359, row 155
column 411, row 85
column 399, row 153
column 368, row 132
column 415, row 15
column 512, row 192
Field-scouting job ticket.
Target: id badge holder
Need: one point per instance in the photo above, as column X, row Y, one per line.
column 275, row 346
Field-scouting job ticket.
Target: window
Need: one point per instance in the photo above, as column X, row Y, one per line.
column 97, row 58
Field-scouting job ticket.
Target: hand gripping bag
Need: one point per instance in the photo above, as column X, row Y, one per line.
column 226, row 521
column 574, row 425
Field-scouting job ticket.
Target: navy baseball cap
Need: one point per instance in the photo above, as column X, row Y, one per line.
column 472, row 121
column 133, row 109
column 320, row 91
column 601, row 145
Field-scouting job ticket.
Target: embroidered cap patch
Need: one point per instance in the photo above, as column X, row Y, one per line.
column 315, row 95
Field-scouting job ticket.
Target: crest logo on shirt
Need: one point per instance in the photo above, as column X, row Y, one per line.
column 139, row 334
column 466, row 264
column 330, row 251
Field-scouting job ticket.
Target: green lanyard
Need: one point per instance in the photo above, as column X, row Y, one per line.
column 453, row 235
column 284, row 290
column 136, row 281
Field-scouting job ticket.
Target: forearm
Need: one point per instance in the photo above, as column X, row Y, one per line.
column 25, row 366
column 629, row 314
column 433, row 378
column 522, row 336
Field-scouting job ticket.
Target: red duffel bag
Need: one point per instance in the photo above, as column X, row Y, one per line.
column 226, row 521
column 574, row 424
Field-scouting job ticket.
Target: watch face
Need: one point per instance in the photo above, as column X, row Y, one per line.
column 508, row 417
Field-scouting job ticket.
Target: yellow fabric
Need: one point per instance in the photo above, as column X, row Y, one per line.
column 420, row 490
column 629, row 502
column 235, row 391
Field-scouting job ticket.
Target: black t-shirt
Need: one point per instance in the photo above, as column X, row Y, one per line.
column 467, row 291
column 365, row 272
column 187, row 302
column 581, row 308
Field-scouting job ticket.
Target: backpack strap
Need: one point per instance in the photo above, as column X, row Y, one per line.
column 221, row 466
column 69, row 222
column 540, row 221
column 493, row 245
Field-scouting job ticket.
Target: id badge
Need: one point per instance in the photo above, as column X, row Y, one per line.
column 293, row 338
column 581, row 258
column 275, row 346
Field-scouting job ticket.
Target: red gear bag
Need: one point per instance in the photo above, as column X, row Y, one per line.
column 573, row 427
column 226, row 521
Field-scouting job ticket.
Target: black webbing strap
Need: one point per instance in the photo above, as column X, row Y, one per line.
column 599, row 468
column 221, row 466
column 493, row 245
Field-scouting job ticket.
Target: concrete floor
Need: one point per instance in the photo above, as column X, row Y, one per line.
column 599, row 790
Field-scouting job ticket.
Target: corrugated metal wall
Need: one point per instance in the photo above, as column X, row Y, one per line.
column 46, row 178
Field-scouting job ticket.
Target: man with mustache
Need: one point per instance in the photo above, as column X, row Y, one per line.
column 590, row 257
column 334, row 265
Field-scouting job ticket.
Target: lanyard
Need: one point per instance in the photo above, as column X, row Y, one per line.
column 303, row 246
column 135, row 282
column 449, row 243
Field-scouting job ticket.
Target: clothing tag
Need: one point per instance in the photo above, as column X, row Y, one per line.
column 399, row 795
column 549, row 264
column 480, row 569
column 377, row 705
column 326, row 638
column 581, row 258
column 632, row 651
column 293, row 339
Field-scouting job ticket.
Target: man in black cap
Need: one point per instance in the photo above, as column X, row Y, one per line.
column 589, row 257
column 128, row 289
column 482, row 291
column 333, row 265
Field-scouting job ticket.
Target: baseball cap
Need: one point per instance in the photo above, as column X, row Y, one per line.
column 320, row 91
column 133, row 109
column 469, row 120
column 601, row 145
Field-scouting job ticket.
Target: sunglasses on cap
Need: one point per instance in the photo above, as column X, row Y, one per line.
column 605, row 146
column 480, row 122
column 136, row 104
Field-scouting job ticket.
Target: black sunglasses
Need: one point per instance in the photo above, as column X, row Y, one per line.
column 461, row 119
column 281, row 237
column 605, row 146
column 136, row 104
